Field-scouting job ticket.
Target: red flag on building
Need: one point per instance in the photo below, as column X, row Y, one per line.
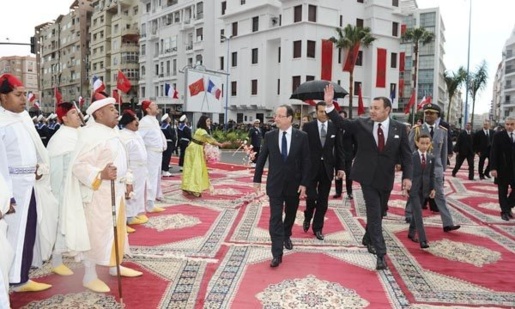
column 402, row 61
column 117, row 96
column 361, row 106
column 197, row 87
column 411, row 103
column 350, row 60
column 327, row 60
column 58, row 96
column 381, row 68
column 122, row 82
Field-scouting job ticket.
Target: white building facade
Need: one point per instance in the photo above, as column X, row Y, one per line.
column 507, row 89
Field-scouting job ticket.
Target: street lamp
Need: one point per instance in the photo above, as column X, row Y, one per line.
column 226, row 116
column 467, row 86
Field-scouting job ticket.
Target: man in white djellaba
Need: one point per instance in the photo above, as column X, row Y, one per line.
column 137, row 156
column 7, row 256
column 155, row 143
column 24, row 161
column 98, row 161
column 60, row 149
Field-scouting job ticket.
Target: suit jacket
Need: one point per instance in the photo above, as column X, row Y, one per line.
column 464, row 145
column 438, row 145
column 422, row 179
column 330, row 155
column 502, row 157
column 449, row 137
column 284, row 178
column 483, row 143
column 371, row 167
column 256, row 137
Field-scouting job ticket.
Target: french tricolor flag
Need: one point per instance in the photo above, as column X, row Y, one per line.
column 213, row 89
column 31, row 97
column 98, row 84
column 171, row 92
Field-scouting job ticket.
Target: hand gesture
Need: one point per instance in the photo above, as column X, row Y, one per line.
column 109, row 172
column 329, row 94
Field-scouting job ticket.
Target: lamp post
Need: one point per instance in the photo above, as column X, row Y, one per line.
column 226, row 116
column 467, row 86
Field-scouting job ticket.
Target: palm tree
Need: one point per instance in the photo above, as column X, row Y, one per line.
column 478, row 81
column 417, row 36
column 453, row 82
column 350, row 38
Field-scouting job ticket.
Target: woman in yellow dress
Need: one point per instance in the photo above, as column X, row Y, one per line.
column 195, row 178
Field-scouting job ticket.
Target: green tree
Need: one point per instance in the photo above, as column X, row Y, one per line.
column 348, row 39
column 417, row 36
column 477, row 83
column 453, row 82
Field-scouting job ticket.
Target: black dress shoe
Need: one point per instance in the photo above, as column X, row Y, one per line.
column 451, row 228
column 337, row 196
column 350, row 197
column 385, row 213
column 424, row 245
column 319, row 235
column 365, row 241
column 407, row 220
column 305, row 226
column 413, row 238
column 505, row 216
column 488, row 176
column 453, row 174
column 276, row 261
column 287, row 244
column 371, row 249
column 381, row 263
column 481, row 177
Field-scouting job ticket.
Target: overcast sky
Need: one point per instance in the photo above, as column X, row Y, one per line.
column 492, row 24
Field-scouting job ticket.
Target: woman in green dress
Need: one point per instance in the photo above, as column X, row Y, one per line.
column 195, row 178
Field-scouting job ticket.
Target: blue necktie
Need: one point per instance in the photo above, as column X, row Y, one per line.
column 284, row 147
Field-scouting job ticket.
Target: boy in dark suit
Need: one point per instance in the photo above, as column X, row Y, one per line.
column 287, row 150
column 423, row 186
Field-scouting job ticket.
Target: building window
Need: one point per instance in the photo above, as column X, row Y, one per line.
column 234, row 85
column 310, row 53
column 357, row 85
column 278, row 86
column 200, row 34
column 254, row 55
column 295, row 83
column 395, row 3
column 224, row 7
column 255, row 24
column 341, row 21
column 297, row 46
column 222, row 65
column 254, row 86
column 297, row 14
column 359, row 22
column 310, row 77
column 312, row 13
column 234, row 59
column 359, row 59
column 360, row 1
column 242, row 2
column 235, row 28
column 395, row 29
column 393, row 60
column 279, row 55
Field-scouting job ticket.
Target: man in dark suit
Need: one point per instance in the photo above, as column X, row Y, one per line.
column 287, row 150
column 349, row 152
column 465, row 150
column 502, row 164
column 184, row 136
column 326, row 157
column 382, row 143
column 169, row 133
column 482, row 145
column 256, row 136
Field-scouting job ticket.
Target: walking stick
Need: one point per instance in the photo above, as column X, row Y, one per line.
column 116, row 249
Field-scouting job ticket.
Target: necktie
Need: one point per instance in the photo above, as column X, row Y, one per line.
column 323, row 134
column 423, row 161
column 431, row 132
column 284, row 147
column 380, row 138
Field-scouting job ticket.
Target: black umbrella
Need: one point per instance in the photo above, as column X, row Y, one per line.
column 314, row 90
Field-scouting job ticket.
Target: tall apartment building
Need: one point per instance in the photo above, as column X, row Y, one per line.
column 24, row 68
column 507, row 91
column 62, row 55
column 495, row 108
column 431, row 67
column 114, row 44
column 268, row 48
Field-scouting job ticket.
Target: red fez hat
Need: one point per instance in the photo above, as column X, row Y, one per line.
column 145, row 104
column 8, row 82
column 128, row 116
column 62, row 109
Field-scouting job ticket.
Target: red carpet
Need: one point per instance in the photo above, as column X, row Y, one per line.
column 214, row 252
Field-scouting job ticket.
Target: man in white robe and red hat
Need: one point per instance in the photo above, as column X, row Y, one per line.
column 24, row 166
column 60, row 149
column 155, row 143
column 99, row 159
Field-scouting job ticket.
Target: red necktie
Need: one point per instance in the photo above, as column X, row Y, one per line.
column 380, row 138
column 423, row 161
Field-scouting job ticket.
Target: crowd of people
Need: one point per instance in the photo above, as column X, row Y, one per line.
column 55, row 186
